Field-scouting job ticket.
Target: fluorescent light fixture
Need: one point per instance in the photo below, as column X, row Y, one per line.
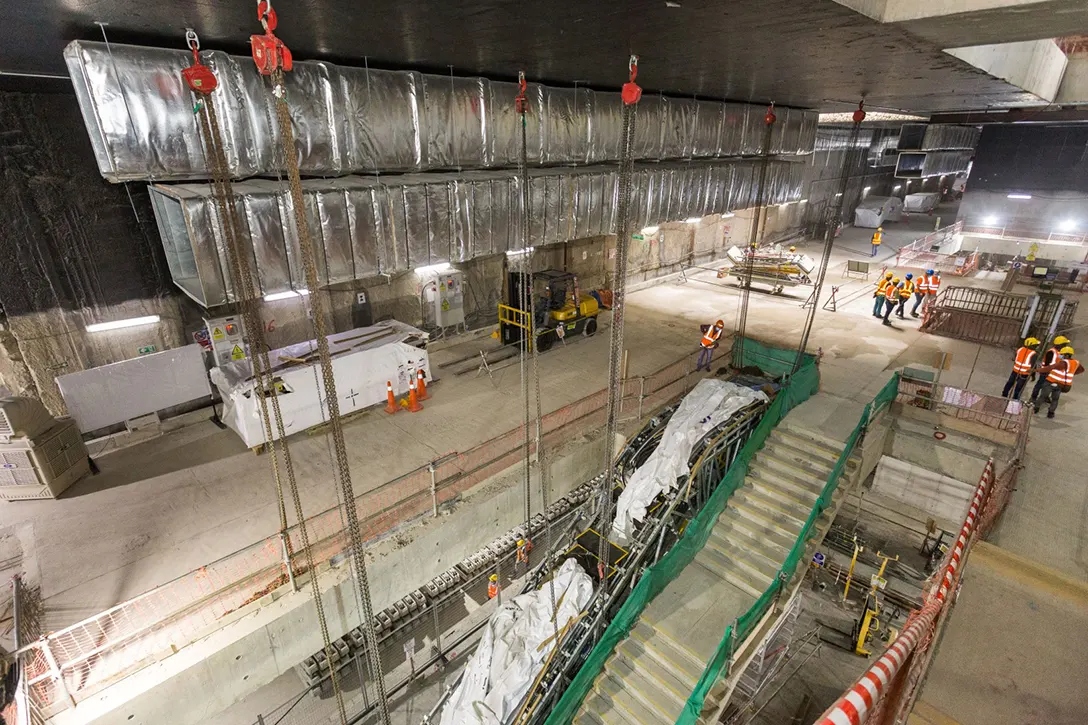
column 516, row 252
column 990, row 221
column 286, row 295
column 1067, row 225
column 1019, row 196
column 871, row 116
column 866, row 189
column 728, row 214
column 442, row 267
column 803, row 201
column 838, row 195
column 786, row 203
column 649, row 230
column 118, row 324
column 897, row 187
column 693, row 220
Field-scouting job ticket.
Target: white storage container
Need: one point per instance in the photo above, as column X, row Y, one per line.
column 42, row 466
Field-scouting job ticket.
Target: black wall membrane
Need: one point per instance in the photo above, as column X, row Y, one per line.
column 1031, row 157
column 67, row 237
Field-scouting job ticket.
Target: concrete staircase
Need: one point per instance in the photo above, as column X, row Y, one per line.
column 651, row 674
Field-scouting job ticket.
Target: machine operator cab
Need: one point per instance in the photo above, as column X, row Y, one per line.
column 557, row 315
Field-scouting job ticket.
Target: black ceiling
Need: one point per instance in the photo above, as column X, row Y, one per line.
column 810, row 53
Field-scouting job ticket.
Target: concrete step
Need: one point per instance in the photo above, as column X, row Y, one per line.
column 627, row 700
column 685, row 664
column 814, row 448
column 599, row 708
column 767, row 497
column 747, row 532
column 784, row 483
column 816, row 437
column 763, row 546
column 644, row 673
column 761, row 559
column 727, row 572
column 811, row 479
column 786, row 526
column 779, row 448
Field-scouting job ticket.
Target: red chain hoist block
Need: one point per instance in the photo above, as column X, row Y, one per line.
column 521, row 104
column 859, row 115
column 631, row 92
column 269, row 52
column 769, row 118
column 198, row 76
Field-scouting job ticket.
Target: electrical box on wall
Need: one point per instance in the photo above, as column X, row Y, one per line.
column 225, row 335
column 446, row 297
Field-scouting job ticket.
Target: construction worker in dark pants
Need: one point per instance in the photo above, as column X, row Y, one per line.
column 1022, row 365
column 1059, row 379
column 891, row 295
column 878, row 237
column 711, row 335
column 1050, row 357
column 920, row 291
column 878, row 296
column 904, row 294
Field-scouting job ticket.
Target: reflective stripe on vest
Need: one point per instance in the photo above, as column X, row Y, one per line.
column 934, row 282
column 923, row 285
column 892, row 292
column 1025, row 356
column 712, row 336
column 907, row 290
column 1063, row 375
column 1051, row 356
column 877, row 238
column 882, row 286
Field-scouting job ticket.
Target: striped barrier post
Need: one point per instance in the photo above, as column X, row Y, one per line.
column 859, row 701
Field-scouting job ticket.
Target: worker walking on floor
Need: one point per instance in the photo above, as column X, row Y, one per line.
column 920, row 291
column 1022, row 365
column 891, row 295
column 878, row 296
column 711, row 335
column 1050, row 357
column 878, row 237
column 904, row 294
column 1059, row 379
column 933, row 282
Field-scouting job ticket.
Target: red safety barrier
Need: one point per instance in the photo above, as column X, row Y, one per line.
column 860, row 700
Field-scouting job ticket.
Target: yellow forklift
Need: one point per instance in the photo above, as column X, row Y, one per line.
column 562, row 310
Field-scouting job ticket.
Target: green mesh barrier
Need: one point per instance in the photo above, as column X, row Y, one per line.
column 774, row 361
column 796, row 390
column 739, row 630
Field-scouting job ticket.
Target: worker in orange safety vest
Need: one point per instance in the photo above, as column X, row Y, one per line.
column 493, row 586
column 933, row 282
column 878, row 296
column 1022, row 365
column 711, row 335
column 891, row 294
column 1059, row 379
column 904, row 294
column 878, row 237
column 1050, row 357
column 920, row 291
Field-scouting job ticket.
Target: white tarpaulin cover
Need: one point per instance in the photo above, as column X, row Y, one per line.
column 711, row 403
column 876, row 210
column 921, row 202
column 514, row 646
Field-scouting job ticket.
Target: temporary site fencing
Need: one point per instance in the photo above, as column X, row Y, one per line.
column 797, row 388
column 994, row 412
column 925, row 253
column 70, row 665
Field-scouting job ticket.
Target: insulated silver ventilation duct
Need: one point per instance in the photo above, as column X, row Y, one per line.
column 365, row 226
column 349, row 120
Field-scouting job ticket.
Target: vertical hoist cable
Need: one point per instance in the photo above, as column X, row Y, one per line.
column 630, row 95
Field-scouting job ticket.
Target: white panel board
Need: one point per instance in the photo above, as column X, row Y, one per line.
column 944, row 498
column 111, row 394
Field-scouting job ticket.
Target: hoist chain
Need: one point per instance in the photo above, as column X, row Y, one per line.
column 631, row 94
column 331, row 400
column 527, row 302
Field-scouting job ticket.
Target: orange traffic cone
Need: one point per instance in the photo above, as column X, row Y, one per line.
column 391, row 400
column 413, row 402
column 421, row 385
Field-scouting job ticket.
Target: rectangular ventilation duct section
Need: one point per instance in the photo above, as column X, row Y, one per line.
column 927, row 150
column 348, row 120
column 366, row 226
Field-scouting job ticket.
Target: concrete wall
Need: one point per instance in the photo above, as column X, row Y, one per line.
column 1044, row 251
column 1036, row 66
column 1074, row 86
column 1045, row 212
column 271, row 636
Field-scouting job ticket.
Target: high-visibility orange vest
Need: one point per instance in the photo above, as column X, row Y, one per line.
column 1025, row 356
column 933, row 283
column 877, row 238
column 923, row 285
column 1063, row 375
column 892, row 293
column 711, row 336
column 1051, row 356
column 907, row 290
column 882, row 286
column 492, row 590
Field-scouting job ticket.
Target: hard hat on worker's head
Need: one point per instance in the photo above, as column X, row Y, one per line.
column 1061, row 340
column 1066, row 351
column 719, row 323
column 793, row 248
column 929, row 271
column 493, row 577
column 910, row 276
column 521, row 542
column 1031, row 342
column 880, row 229
column 889, row 275
column 895, row 281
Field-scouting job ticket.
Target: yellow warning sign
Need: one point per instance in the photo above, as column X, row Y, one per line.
column 217, row 334
column 237, row 353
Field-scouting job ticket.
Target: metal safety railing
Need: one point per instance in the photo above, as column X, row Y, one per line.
column 994, row 412
column 513, row 316
column 995, row 317
column 72, row 664
column 920, row 253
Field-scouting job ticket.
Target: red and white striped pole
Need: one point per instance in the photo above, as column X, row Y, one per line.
column 855, row 706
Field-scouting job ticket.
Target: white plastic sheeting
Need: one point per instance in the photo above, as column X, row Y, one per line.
column 876, row 210
column 711, row 403
column 921, row 202
column 518, row 638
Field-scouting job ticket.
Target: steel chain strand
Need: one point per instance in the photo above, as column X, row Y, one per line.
column 317, row 302
column 753, row 237
column 245, row 298
column 262, row 372
column 528, row 304
column 619, row 284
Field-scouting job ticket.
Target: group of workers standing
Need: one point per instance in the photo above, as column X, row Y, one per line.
column 892, row 294
column 1055, row 375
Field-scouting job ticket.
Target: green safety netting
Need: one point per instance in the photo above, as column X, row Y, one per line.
column 739, row 630
column 798, row 388
column 773, row 361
